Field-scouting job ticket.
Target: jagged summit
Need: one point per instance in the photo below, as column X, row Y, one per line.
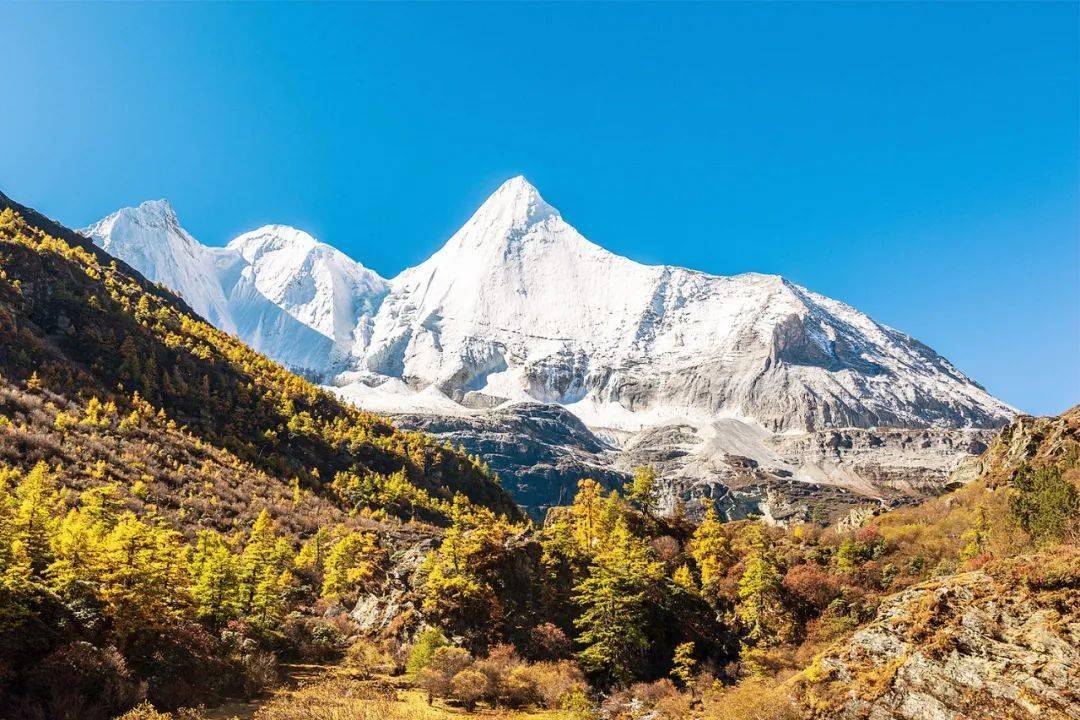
column 519, row 306
column 518, row 202
column 148, row 214
column 289, row 296
column 150, row 239
column 512, row 217
column 159, row 208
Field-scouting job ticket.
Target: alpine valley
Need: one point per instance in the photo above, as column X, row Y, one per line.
column 554, row 359
column 185, row 522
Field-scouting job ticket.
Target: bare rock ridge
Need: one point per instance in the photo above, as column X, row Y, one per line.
column 661, row 362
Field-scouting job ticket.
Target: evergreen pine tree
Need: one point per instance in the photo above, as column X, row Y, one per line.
column 760, row 606
column 711, row 550
column 613, row 598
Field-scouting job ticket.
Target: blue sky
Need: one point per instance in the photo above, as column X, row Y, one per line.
column 919, row 162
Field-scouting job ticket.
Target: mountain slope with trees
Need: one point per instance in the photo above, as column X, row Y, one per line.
column 169, row 499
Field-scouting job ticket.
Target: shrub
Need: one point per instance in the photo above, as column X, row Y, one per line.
column 84, row 681
column 519, row 688
column 666, row 549
column 752, row 699
column 468, row 686
column 549, row 642
column 259, row 672
column 145, row 711
column 450, row 660
column 812, row 586
column 554, row 681
column 497, row 666
column 314, row 639
column 423, row 650
column 640, row 696
column 576, row 705
column 1044, row 503
column 364, row 658
column 445, row 663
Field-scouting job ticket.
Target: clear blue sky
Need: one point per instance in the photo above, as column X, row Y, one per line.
column 917, row 161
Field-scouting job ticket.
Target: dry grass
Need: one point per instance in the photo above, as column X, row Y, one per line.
column 340, row 697
column 751, row 699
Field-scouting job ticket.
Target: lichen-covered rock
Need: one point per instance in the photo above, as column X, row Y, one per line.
column 999, row 644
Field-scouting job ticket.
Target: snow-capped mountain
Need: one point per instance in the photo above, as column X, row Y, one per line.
column 150, row 239
column 518, row 307
column 290, row 297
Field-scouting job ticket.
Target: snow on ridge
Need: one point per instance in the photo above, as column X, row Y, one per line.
column 302, row 302
column 519, row 306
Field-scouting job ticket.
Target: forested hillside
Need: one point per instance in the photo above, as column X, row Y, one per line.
column 739, row 620
column 157, row 480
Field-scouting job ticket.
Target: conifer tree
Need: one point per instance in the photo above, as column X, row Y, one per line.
column 352, row 561
column 77, row 546
column 683, row 663
column 976, row 539
column 262, row 565
column 613, row 598
column 760, row 606
column 587, row 511
column 15, row 566
column 144, row 575
column 103, row 505
column 37, row 507
column 711, row 550
column 684, row 579
column 312, row 555
column 643, row 490
column 215, row 585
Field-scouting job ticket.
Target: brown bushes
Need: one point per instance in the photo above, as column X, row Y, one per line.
column 500, row 678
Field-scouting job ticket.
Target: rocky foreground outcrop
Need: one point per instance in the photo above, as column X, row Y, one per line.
column 1003, row 643
column 1030, row 440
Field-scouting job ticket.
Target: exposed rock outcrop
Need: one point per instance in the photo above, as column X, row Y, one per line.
column 976, row 645
column 541, row 451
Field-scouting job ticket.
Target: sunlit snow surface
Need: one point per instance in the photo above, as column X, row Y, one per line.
column 518, row 306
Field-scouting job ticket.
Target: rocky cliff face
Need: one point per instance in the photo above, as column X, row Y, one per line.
column 1032, row 440
column 541, row 451
column 977, row 645
column 1001, row 641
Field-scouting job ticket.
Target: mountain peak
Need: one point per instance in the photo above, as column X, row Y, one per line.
column 157, row 207
column 272, row 237
column 150, row 212
column 129, row 223
column 516, row 203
